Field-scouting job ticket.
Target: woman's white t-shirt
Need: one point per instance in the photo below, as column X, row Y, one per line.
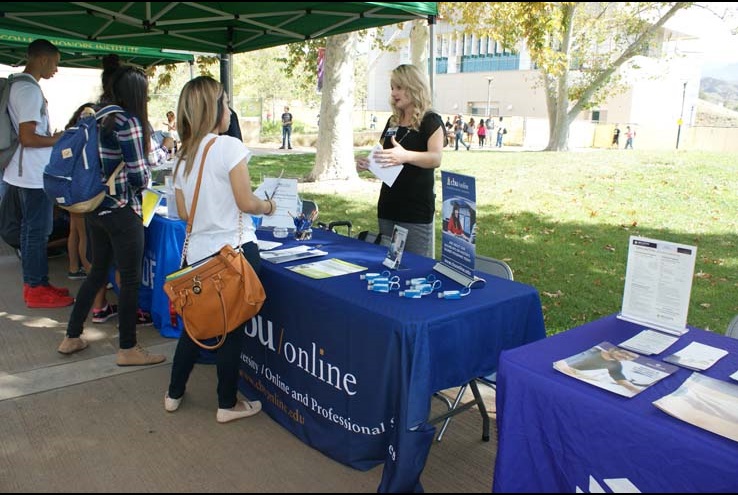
column 216, row 218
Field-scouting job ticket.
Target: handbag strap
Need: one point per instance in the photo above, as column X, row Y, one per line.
column 191, row 216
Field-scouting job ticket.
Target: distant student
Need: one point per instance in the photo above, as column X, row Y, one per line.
column 501, row 131
column 481, row 132
column 629, row 135
column 616, row 136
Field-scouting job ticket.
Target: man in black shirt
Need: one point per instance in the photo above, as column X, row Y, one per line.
column 286, row 129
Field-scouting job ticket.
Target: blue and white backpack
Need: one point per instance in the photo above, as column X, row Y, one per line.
column 74, row 178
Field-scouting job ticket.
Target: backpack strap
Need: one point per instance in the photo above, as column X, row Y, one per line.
column 107, row 110
column 111, row 179
column 11, row 79
column 99, row 115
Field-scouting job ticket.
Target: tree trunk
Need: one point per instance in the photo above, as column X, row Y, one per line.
column 557, row 89
column 419, row 45
column 334, row 158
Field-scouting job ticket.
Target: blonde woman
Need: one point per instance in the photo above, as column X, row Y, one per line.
column 414, row 137
column 225, row 192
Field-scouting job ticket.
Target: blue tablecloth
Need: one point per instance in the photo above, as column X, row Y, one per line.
column 349, row 371
column 352, row 372
column 557, row 434
column 163, row 249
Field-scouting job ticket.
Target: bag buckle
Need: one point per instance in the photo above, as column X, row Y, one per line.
column 196, row 285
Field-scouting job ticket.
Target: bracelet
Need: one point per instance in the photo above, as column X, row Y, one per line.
column 271, row 207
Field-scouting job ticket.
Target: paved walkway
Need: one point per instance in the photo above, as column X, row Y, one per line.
column 82, row 424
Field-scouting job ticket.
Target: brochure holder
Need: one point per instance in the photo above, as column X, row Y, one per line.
column 461, row 278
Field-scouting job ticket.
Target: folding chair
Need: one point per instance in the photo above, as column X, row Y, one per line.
column 373, row 238
column 732, row 330
column 497, row 268
column 309, row 206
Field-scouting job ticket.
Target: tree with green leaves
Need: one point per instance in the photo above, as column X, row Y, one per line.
column 578, row 47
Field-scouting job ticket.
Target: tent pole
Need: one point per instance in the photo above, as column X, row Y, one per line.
column 226, row 74
column 432, row 56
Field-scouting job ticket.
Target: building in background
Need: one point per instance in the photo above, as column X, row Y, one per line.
column 476, row 77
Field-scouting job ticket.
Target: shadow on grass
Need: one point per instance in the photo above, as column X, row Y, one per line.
column 579, row 270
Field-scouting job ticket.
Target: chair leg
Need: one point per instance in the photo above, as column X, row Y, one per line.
column 482, row 410
column 451, row 407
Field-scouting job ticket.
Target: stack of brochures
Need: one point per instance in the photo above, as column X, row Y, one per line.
column 615, row 369
column 696, row 356
column 705, row 402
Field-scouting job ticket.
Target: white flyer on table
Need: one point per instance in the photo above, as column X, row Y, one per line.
column 658, row 284
column 388, row 175
column 284, row 193
column 649, row 342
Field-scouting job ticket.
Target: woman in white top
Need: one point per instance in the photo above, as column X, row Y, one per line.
column 225, row 192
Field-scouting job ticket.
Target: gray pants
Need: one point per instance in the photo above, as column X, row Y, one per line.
column 420, row 238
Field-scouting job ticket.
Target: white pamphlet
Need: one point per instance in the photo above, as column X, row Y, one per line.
column 649, row 342
column 697, row 356
column 396, row 247
column 290, row 254
column 284, row 193
column 267, row 245
column 387, row 174
column 705, row 402
column 332, row 267
column 658, row 283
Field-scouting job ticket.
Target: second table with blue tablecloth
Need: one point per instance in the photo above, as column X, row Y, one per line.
column 559, row 434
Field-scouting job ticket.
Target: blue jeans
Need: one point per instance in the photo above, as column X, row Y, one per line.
column 227, row 357
column 36, row 226
column 116, row 236
column 460, row 139
column 286, row 134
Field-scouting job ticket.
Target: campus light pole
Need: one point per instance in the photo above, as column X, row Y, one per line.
column 681, row 114
column 489, row 87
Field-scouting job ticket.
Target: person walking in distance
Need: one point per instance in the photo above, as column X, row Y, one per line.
column 629, row 135
column 481, row 132
column 116, row 228
column 29, row 115
column 501, row 131
column 459, row 133
column 286, row 129
column 616, row 137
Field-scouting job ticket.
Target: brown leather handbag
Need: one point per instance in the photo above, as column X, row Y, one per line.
column 218, row 294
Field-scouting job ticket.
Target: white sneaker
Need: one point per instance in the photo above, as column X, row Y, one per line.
column 242, row 409
column 170, row 404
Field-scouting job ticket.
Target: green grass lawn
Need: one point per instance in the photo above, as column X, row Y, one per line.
column 562, row 221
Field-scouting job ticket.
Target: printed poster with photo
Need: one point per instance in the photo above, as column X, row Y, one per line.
column 459, row 216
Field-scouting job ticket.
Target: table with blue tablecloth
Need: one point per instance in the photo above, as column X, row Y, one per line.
column 162, row 255
column 559, row 434
column 351, row 372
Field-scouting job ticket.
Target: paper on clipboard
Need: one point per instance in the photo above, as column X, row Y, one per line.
column 386, row 174
column 284, row 192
